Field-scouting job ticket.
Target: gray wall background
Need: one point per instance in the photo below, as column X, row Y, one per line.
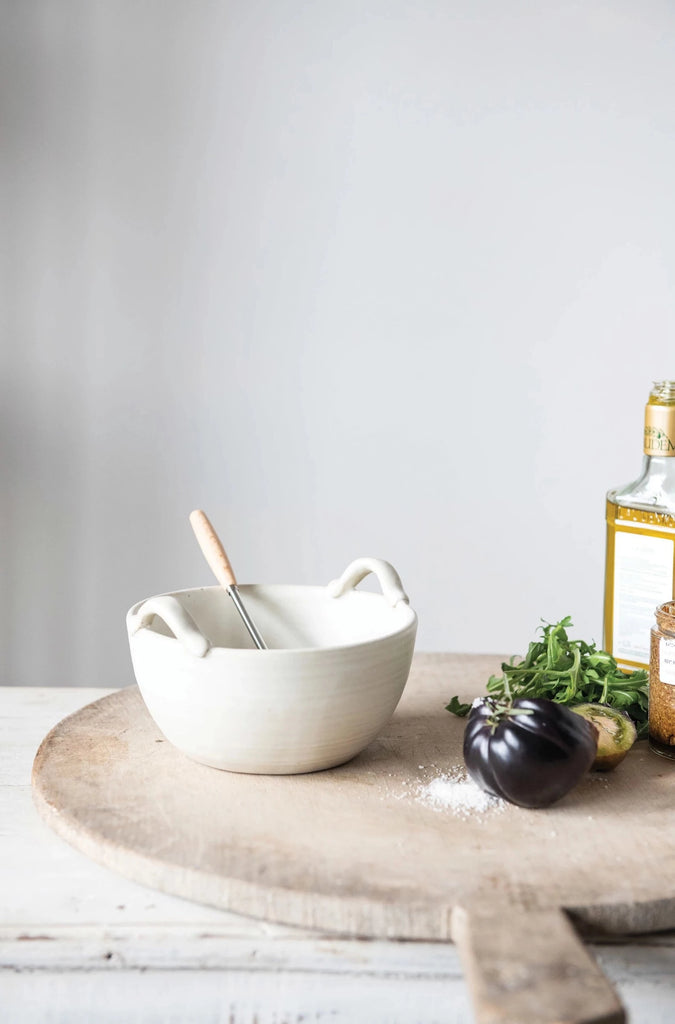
column 385, row 277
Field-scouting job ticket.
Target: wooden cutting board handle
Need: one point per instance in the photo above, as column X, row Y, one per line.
column 530, row 967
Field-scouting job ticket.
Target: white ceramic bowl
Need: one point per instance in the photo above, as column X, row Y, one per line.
column 336, row 666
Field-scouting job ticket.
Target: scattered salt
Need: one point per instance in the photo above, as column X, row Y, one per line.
column 454, row 791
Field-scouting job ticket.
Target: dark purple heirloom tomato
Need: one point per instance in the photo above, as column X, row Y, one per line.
column 530, row 751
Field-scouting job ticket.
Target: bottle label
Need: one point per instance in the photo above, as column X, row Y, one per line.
column 667, row 661
column 659, row 430
column 643, row 579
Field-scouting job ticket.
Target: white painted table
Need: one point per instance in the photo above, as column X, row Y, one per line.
column 79, row 944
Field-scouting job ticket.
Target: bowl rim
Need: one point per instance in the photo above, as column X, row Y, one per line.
column 411, row 625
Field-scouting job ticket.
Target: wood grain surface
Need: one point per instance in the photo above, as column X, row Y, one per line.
column 354, row 850
column 80, row 943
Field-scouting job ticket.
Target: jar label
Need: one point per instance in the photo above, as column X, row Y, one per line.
column 667, row 661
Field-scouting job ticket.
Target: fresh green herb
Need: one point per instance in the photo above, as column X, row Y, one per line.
column 458, row 708
column 569, row 672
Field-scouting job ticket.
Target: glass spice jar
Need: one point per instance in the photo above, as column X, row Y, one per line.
column 662, row 682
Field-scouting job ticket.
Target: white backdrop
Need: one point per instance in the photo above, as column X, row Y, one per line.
column 386, row 277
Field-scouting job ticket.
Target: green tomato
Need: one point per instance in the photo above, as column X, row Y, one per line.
column 616, row 734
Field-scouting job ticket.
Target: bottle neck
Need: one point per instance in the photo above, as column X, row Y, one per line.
column 659, row 436
column 658, row 465
column 658, row 481
column 654, row 489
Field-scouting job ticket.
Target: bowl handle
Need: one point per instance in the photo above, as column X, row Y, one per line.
column 390, row 581
column 179, row 621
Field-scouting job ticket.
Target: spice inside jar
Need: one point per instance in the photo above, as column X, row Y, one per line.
column 662, row 682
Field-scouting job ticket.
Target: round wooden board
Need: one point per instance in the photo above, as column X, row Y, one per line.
column 355, row 850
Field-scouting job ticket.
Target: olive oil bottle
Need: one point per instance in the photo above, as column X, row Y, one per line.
column 640, row 565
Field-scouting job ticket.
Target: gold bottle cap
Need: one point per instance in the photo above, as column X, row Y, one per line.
column 660, row 419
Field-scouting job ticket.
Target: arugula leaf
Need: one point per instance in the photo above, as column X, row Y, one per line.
column 569, row 672
column 457, row 708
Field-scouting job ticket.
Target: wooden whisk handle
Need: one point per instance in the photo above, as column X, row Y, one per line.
column 212, row 549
